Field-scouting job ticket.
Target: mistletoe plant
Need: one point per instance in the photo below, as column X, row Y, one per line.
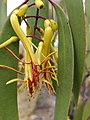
column 59, row 73
column 38, row 69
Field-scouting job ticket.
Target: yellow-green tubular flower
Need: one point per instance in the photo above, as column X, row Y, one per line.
column 21, row 35
column 54, row 25
column 28, row 30
column 39, row 53
column 53, row 50
column 39, row 4
column 9, row 41
column 28, row 67
column 47, row 40
column 22, row 10
column 47, row 23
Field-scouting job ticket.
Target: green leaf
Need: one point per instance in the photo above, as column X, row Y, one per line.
column 65, row 66
column 8, row 93
column 79, row 111
column 3, row 13
column 87, row 45
column 86, row 112
column 87, row 10
column 43, row 12
column 77, row 24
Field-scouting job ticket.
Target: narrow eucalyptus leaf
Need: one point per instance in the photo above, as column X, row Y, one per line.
column 76, row 19
column 8, row 93
column 65, row 66
column 79, row 111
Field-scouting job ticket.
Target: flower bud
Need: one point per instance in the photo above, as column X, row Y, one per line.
column 54, row 25
column 47, row 23
column 39, row 4
column 22, row 10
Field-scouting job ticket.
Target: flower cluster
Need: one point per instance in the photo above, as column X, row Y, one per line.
column 39, row 61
